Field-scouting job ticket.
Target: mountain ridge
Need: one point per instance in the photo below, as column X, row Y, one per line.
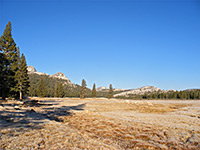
column 141, row 90
column 119, row 92
column 59, row 75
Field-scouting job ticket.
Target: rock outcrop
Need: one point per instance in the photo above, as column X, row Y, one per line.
column 171, row 90
column 118, row 90
column 103, row 88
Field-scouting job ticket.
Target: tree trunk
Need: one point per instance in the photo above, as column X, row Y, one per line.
column 3, row 97
column 20, row 93
column 3, row 94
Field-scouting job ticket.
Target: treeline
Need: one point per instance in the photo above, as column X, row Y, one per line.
column 45, row 86
column 13, row 68
column 182, row 95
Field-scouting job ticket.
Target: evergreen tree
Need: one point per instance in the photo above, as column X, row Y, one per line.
column 110, row 93
column 60, row 90
column 4, row 88
column 11, row 55
column 83, row 89
column 153, row 96
column 165, row 95
column 198, row 96
column 55, row 90
column 180, row 95
column 32, row 91
column 195, row 95
column 14, row 69
column 175, row 95
column 41, row 90
column 94, row 93
column 2, row 58
column 184, row 95
column 21, row 77
column 144, row 96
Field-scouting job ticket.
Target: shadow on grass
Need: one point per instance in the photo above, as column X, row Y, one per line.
column 23, row 115
column 56, row 112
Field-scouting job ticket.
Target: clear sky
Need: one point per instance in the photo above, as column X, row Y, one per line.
column 127, row 43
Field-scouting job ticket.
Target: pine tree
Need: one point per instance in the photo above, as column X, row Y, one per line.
column 14, row 69
column 94, row 90
column 198, row 95
column 83, row 89
column 110, row 93
column 1, row 72
column 41, row 90
column 4, row 88
column 21, row 77
column 32, row 91
column 60, row 90
column 11, row 55
column 195, row 95
column 175, row 95
column 55, row 90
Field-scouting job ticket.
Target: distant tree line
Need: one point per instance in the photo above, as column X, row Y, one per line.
column 186, row 94
column 45, row 86
column 13, row 68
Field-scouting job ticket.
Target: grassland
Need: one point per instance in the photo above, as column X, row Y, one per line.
column 68, row 123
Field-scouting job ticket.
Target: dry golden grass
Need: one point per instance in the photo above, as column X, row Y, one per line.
column 126, row 136
column 94, row 127
column 142, row 107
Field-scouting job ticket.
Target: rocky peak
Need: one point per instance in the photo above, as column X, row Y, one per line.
column 60, row 75
column 31, row 69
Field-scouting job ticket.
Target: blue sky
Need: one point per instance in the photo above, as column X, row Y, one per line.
column 127, row 43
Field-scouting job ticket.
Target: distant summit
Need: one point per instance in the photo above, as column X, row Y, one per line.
column 59, row 75
column 31, row 69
